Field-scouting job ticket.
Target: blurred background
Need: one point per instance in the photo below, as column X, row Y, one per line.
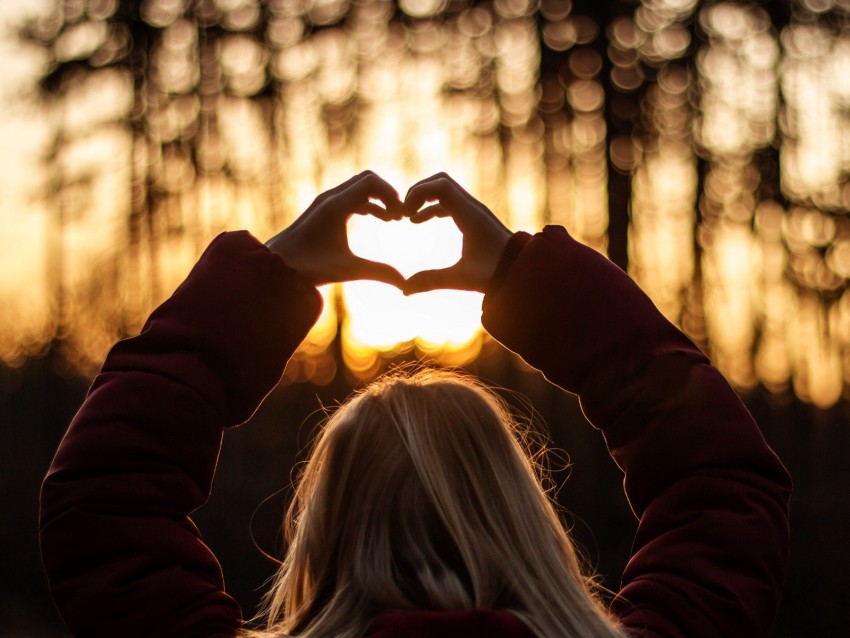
column 704, row 147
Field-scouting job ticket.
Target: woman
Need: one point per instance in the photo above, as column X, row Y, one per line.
column 418, row 513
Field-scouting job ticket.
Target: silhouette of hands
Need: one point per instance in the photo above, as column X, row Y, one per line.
column 484, row 236
column 316, row 244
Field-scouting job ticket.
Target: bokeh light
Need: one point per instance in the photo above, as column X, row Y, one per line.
column 703, row 145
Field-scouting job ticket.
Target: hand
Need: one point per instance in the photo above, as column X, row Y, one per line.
column 316, row 244
column 484, row 236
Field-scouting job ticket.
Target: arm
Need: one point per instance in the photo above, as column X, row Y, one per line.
column 122, row 555
column 711, row 549
column 710, row 553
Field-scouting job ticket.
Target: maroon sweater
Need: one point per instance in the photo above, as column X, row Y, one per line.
column 124, row 558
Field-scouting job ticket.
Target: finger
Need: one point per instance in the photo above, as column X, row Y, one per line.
column 369, row 186
column 448, row 182
column 440, row 175
column 323, row 197
column 429, row 212
column 444, row 191
column 376, row 271
column 434, row 279
column 370, row 208
column 331, row 192
column 412, row 202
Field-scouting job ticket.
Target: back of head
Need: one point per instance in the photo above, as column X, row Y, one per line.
column 418, row 495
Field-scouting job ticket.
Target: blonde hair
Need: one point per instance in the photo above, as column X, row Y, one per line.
column 418, row 495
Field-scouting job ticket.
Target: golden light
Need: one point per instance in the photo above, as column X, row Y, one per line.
column 736, row 200
column 380, row 317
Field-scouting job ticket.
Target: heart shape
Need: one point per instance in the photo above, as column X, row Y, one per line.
column 317, row 246
column 407, row 247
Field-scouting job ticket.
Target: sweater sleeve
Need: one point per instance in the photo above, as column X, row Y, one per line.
column 122, row 556
column 711, row 548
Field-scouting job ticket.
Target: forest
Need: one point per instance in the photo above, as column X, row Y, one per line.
column 704, row 147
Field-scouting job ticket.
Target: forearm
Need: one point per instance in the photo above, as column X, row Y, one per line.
column 121, row 554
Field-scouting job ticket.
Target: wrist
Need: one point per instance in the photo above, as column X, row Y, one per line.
column 286, row 248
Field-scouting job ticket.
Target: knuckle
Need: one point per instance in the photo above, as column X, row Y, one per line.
column 372, row 179
column 320, row 199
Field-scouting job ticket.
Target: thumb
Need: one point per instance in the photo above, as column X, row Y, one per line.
column 376, row 271
column 433, row 279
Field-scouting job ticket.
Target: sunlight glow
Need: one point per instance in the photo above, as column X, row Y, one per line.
column 725, row 128
column 380, row 318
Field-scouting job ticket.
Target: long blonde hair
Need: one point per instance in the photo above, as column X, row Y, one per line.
column 418, row 495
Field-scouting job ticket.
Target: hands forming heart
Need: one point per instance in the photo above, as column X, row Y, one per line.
column 316, row 244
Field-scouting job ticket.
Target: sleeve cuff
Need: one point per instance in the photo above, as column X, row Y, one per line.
column 511, row 251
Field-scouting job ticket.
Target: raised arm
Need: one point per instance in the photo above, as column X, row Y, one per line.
column 122, row 555
column 711, row 549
